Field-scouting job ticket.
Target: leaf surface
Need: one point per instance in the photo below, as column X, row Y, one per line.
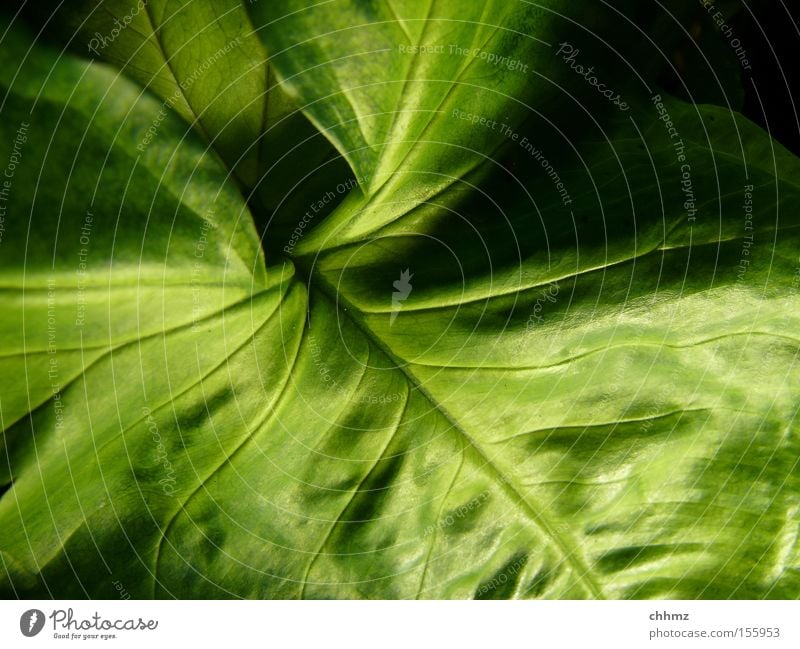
column 470, row 380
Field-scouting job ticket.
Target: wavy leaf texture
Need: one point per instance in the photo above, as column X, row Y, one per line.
column 547, row 350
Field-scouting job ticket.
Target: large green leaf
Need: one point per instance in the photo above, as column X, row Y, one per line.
column 580, row 395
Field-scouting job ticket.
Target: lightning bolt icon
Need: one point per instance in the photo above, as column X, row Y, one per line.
column 402, row 291
column 32, row 621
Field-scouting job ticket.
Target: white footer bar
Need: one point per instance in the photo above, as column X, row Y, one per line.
column 389, row 625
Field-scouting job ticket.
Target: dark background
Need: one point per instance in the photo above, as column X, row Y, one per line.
column 780, row 22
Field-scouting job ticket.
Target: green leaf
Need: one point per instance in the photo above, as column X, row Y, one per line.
column 553, row 360
column 380, row 78
column 628, row 371
column 125, row 243
column 204, row 60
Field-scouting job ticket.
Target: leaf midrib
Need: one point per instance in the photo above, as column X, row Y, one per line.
column 168, row 63
column 565, row 545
